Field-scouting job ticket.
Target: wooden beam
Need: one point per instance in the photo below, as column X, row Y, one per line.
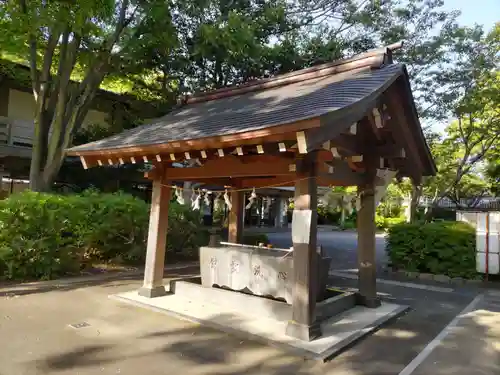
column 372, row 121
column 343, row 172
column 367, row 283
column 157, row 235
column 273, row 134
column 304, row 325
column 232, row 166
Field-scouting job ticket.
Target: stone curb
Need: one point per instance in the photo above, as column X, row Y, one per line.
column 438, row 278
column 96, row 277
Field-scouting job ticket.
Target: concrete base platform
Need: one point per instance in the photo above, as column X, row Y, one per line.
column 338, row 332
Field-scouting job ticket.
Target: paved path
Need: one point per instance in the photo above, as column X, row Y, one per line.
column 341, row 246
column 36, row 337
column 469, row 345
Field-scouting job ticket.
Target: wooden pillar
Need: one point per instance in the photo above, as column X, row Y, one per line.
column 367, row 294
column 305, row 260
column 236, row 217
column 157, row 241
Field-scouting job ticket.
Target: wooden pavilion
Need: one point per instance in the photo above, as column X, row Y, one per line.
column 339, row 124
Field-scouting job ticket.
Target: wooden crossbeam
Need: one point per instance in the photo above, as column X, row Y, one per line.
column 233, row 166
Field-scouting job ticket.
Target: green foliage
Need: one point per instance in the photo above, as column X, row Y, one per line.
column 43, row 236
column 446, row 248
column 328, row 215
column 384, row 223
column 469, row 91
column 185, row 231
column 111, row 226
column 36, row 236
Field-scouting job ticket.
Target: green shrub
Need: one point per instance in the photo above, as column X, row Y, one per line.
column 114, row 226
column 37, row 236
column 43, row 236
column 446, row 248
column 384, row 223
column 185, row 231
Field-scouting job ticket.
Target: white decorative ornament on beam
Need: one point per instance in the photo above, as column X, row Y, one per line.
column 335, row 152
column 120, row 160
column 132, row 159
column 110, row 162
column 145, row 158
column 172, row 157
column 203, row 154
column 282, row 147
column 84, row 163
column 377, row 118
column 220, row 151
column 301, row 142
column 158, row 158
column 187, row 155
column 354, row 128
column 260, row 149
column 239, row 151
column 99, row 162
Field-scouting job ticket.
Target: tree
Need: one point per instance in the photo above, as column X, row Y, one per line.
column 470, row 91
column 86, row 40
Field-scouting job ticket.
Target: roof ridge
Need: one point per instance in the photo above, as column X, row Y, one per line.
column 372, row 59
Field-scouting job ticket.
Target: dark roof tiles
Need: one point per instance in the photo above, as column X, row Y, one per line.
column 255, row 110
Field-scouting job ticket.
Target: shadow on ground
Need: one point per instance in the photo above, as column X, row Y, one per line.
column 11, row 289
column 172, row 346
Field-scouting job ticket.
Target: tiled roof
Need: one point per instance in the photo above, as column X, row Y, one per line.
column 256, row 110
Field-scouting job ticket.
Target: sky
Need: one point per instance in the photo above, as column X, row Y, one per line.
column 484, row 12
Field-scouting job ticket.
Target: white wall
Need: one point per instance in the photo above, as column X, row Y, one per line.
column 22, row 107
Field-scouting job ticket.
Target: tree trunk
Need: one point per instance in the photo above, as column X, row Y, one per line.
column 37, row 156
column 416, row 193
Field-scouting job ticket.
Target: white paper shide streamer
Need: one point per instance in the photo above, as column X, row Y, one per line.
column 252, row 199
column 227, row 200
column 206, row 199
column 178, row 196
column 195, row 201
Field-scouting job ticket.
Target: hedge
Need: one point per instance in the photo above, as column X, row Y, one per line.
column 446, row 248
column 43, row 236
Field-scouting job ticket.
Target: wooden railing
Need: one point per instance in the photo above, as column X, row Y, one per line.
column 16, row 132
